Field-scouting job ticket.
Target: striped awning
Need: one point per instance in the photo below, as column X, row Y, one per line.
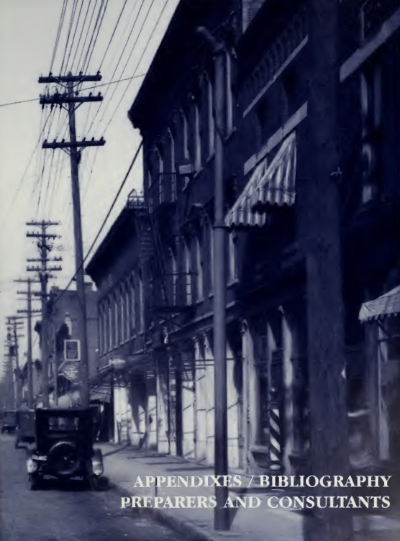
column 272, row 184
column 384, row 306
column 101, row 393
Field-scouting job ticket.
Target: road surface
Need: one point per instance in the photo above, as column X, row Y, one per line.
column 70, row 513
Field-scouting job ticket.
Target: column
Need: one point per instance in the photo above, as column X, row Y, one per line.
column 188, row 405
column 162, row 407
column 210, row 405
column 172, row 406
column 151, row 421
column 287, row 343
column 233, row 409
column 201, row 401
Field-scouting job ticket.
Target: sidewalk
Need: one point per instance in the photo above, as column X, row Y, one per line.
column 122, row 466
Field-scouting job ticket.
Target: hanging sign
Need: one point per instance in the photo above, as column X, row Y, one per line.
column 72, row 350
column 70, row 370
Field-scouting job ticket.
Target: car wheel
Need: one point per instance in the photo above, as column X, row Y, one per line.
column 34, row 481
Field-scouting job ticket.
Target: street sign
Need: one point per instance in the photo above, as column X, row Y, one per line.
column 70, row 370
column 72, row 350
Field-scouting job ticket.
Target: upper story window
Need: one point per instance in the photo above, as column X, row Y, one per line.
column 184, row 135
column 371, row 114
column 174, row 277
column 127, row 325
column 232, row 257
column 159, row 166
column 210, row 117
column 132, row 303
column 150, row 188
column 121, row 314
column 229, row 103
column 196, row 137
column 199, row 269
column 110, row 324
column 101, row 328
column 171, row 166
column 141, row 304
column 211, row 254
column 188, row 272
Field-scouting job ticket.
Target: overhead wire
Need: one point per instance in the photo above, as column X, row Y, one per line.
column 121, row 187
column 73, row 11
column 20, row 183
column 80, row 37
column 92, row 36
column 86, row 36
column 73, row 38
column 60, row 24
column 137, row 64
column 97, row 36
column 119, row 60
column 112, row 35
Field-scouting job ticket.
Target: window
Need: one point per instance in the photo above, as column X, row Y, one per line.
column 197, row 137
column 132, row 305
column 100, row 328
column 188, row 273
column 150, row 189
column 141, row 305
column 115, row 317
column 110, row 326
column 172, row 165
column 199, row 269
column 371, row 105
column 210, row 118
column 184, row 129
column 228, row 94
column 211, row 232
column 232, row 267
column 160, row 175
column 127, row 312
column 174, row 277
column 121, row 330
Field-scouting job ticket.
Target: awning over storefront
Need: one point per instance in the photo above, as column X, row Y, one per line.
column 384, row 306
column 268, row 185
column 101, row 393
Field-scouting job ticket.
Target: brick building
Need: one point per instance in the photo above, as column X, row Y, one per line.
column 310, row 128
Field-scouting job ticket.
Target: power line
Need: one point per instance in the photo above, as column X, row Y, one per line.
column 73, row 38
column 16, row 102
column 137, row 65
column 97, row 35
column 87, row 33
column 105, row 219
column 80, row 37
column 73, row 11
column 26, row 169
column 58, row 32
column 112, row 35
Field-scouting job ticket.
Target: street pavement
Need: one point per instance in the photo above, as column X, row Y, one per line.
column 65, row 513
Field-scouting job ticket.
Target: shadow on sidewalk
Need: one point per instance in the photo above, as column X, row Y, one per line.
column 115, row 451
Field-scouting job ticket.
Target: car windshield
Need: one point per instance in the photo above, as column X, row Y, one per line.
column 57, row 424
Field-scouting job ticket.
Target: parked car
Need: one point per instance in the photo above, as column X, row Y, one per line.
column 64, row 447
column 8, row 421
column 25, row 427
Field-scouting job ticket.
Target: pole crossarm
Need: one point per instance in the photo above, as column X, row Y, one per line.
column 68, row 144
column 39, row 269
column 59, row 99
column 26, row 311
column 43, row 235
column 26, row 281
column 47, row 224
column 69, row 78
column 39, row 260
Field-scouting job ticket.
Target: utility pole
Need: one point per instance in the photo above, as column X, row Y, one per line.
column 221, row 513
column 29, row 313
column 44, row 275
column 14, row 325
column 71, row 98
column 8, row 372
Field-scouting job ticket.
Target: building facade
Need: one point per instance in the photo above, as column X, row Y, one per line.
column 310, row 128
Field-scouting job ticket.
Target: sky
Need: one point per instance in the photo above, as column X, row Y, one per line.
column 35, row 183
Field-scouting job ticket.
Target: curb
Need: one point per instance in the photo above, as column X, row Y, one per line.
column 190, row 531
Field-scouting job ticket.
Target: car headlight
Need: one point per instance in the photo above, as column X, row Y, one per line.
column 31, row 465
column 97, row 463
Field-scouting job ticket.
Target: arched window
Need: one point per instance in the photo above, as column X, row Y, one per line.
column 141, row 304
column 210, row 117
column 132, row 303
column 197, row 137
column 159, row 197
column 199, row 269
column 228, row 94
column 115, row 317
column 174, row 277
column 188, row 272
column 171, row 171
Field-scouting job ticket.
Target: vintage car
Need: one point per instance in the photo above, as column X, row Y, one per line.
column 8, row 421
column 25, row 427
column 63, row 447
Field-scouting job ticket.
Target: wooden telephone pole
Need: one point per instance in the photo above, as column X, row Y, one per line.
column 71, row 100
column 29, row 313
column 44, row 272
column 13, row 326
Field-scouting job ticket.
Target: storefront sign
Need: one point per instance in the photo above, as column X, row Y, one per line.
column 70, row 371
column 72, row 350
